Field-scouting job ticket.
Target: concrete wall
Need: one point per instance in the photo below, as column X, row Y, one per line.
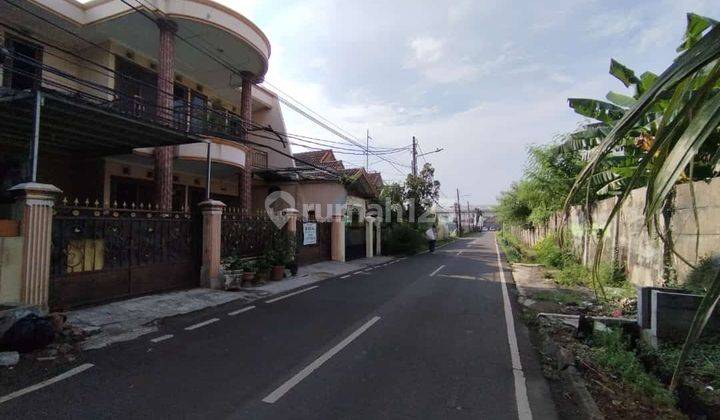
column 642, row 252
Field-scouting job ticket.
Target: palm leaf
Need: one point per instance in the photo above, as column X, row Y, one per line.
column 620, row 100
column 699, row 55
column 623, row 73
column 597, row 110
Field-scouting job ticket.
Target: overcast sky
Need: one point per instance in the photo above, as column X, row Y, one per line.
column 481, row 79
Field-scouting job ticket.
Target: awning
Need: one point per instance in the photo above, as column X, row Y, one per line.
column 73, row 126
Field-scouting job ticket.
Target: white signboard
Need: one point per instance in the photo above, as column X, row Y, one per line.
column 309, row 233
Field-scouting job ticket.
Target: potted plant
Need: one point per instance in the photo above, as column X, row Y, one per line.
column 277, row 263
column 262, row 273
column 248, row 273
column 233, row 267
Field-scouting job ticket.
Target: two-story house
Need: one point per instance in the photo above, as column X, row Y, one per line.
column 122, row 105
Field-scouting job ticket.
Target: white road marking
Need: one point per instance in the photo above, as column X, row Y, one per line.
column 290, row 383
column 202, row 324
column 43, row 384
column 459, row 252
column 239, row 311
column 162, row 338
column 290, row 294
column 521, row 397
column 437, row 270
column 345, row 276
column 456, row 276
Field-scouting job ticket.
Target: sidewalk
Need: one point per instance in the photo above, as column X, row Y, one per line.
column 129, row 319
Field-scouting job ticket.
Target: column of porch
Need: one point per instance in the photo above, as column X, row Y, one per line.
column 166, row 75
column 248, row 80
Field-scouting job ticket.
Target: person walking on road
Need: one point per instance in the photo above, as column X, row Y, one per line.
column 431, row 237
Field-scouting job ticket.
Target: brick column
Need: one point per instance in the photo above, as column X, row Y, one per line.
column 337, row 238
column 248, row 79
column 34, row 206
column 245, row 186
column 369, row 237
column 212, row 228
column 166, row 76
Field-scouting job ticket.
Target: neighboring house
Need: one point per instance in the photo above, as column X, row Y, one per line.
column 321, row 186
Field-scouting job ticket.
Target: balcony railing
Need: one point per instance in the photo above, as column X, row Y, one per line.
column 188, row 118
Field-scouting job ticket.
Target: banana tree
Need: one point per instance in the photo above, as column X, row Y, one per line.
column 687, row 129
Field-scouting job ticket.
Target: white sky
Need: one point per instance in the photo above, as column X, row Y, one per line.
column 482, row 79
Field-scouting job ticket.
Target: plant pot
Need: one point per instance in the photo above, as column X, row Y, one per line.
column 247, row 277
column 278, row 272
column 262, row 276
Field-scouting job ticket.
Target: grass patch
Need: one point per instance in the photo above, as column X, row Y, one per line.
column 573, row 274
column 703, row 365
column 610, row 351
column 514, row 250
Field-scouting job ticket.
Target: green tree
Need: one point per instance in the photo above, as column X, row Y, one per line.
column 687, row 129
column 422, row 191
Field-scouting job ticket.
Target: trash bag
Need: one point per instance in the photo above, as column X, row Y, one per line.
column 29, row 333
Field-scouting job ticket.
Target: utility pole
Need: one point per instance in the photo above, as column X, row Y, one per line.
column 469, row 219
column 414, row 157
column 459, row 213
column 367, row 151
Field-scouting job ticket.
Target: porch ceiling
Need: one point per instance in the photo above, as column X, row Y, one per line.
column 72, row 127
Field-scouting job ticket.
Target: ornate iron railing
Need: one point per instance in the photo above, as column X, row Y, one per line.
column 246, row 234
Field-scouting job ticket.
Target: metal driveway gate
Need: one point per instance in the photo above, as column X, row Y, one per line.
column 102, row 254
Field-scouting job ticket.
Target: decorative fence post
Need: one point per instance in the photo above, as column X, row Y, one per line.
column 337, row 238
column 292, row 216
column 369, row 237
column 212, row 230
column 34, row 203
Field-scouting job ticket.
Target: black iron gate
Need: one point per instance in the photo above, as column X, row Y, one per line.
column 102, row 254
column 354, row 241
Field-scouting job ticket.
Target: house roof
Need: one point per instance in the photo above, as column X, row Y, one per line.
column 376, row 179
column 363, row 183
column 315, row 157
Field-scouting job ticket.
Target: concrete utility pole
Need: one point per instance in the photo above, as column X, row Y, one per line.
column 414, row 157
column 367, row 150
column 459, row 212
column 469, row 219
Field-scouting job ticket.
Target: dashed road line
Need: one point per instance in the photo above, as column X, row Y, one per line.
column 290, row 383
column 239, row 311
column 290, row 294
column 43, row 384
column 162, row 338
column 202, row 324
column 345, row 276
column 437, row 270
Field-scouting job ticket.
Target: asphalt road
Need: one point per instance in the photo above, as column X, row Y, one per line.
column 422, row 337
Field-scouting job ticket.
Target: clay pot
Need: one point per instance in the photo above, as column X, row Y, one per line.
column 278, row 272
column 247, row 277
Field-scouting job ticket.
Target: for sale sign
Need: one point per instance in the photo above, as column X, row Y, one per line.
column 309, row 233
